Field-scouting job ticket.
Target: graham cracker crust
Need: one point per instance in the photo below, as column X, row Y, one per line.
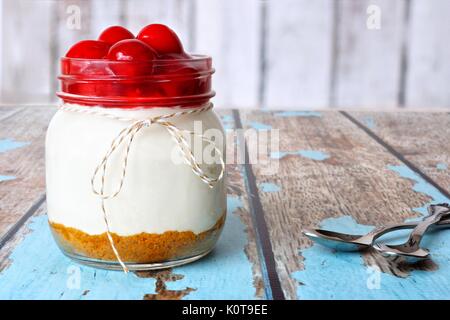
column 138, row 248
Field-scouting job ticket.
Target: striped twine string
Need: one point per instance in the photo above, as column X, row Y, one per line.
column 127, row 136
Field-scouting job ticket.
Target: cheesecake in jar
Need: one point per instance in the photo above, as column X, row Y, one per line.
column 128, row 183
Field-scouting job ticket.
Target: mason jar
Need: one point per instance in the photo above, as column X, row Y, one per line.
column 126, row 185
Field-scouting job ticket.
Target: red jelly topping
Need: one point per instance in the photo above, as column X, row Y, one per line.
column 120, row 71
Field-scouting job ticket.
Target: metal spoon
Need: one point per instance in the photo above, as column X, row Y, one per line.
column 411, row 251
column 348, row 242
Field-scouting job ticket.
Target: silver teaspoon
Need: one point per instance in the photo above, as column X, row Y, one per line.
column 350, row 242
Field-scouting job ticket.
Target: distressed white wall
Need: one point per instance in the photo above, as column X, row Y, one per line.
column 268, row 53
column 428, row 69
column 368, row 60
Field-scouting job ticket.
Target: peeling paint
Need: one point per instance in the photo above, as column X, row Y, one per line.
column 227, row 122
column 369, row 122
column 6, row 178
column 227, row 118
column 162, row 293
column 307, row 114
column 259, row 125
column 420, row 185
column 441, row 166
column 10, row 144
column 329, row 274
column 310, row 154
column 269, row 187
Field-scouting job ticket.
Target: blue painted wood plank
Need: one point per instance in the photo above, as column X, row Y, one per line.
column 298, row 114
column 341, row 275
column 269, row 187
column 38, row 270
column 343, row 166
column 411, row 135
column 310, row 154
column 9, row 145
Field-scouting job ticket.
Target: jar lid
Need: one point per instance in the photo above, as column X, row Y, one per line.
column 128, row 84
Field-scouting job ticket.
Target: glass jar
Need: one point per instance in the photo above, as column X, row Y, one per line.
column 118, row 195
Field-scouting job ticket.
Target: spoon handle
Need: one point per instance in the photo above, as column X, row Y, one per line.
column 382, row 230
column 436, row 213
column 419, row 227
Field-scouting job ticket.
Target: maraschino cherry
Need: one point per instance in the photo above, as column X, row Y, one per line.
column 89, row 49
column 135, row 60
column 131, row 50
column 114, row 34
column 161, row 38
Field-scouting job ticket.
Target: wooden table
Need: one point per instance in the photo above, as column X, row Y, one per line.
column 341, row 170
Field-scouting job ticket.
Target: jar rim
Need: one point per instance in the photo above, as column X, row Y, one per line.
column 193, row 57
column 194, row 101
column 163, row 82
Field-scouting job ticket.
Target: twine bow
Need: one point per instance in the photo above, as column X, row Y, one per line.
column 127, row 136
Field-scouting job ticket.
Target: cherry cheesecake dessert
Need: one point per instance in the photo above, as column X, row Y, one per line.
column 128, row 185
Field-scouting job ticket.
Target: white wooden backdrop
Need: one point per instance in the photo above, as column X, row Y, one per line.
column 268, row 54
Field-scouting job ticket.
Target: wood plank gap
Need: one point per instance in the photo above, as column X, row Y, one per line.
column 404, row 55
column 334, row 55
column 16, row 227
column 263, row 34
column 54, row 50
column 192, row 28
column 269, row 272
column 395, row 153
column 123, row 13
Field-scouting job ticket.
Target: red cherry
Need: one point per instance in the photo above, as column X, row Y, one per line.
column 114, row 34
column 96, row 88
column 131, row 50
column 89, row 49
column 183, row 82
column 161, row 38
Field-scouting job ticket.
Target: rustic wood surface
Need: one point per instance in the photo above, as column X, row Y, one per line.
column 22, row 135
column 335, row 169
column 355, row 180
column 424, row 139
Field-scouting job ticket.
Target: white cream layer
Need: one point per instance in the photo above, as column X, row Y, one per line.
column 158, row 195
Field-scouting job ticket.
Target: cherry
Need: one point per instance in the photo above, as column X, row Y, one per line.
column 161, row 38
column 89, row 49
column 96, row 89
column 182, row 82
column 114, row 34
column 131, row 50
